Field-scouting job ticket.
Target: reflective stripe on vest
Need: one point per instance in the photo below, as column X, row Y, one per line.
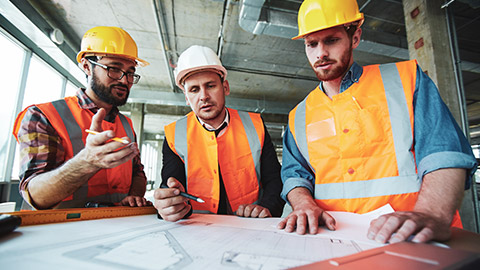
column 75, row 135
column 252, row 137
column 406, row 182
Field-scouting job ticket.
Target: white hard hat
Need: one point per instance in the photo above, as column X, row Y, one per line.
column 197, row 58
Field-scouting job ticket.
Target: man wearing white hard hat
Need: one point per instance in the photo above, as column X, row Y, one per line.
column 370, row 136
column 62, row 165
column 221, row 155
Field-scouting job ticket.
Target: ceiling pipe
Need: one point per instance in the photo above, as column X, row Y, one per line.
column 221, row 34
column 160, row 20
column 257, row 18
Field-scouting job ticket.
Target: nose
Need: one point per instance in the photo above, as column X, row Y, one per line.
column 204, row 95
column 124, row 80
column 321, row 52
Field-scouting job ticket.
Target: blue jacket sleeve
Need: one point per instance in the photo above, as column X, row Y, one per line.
column 439, row 141
column 295, row 170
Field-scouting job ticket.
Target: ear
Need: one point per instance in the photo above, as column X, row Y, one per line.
column 356, row 38
column 226, row 88
column 85, row 66
column 186, row 99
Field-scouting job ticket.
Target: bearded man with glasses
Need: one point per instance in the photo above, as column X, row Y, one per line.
column 63, row 166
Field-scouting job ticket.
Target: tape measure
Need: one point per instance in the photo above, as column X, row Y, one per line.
column 32, row 217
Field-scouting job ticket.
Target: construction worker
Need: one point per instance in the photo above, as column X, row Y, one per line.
column 63, row 166
column 370, row 136
column 222, row 155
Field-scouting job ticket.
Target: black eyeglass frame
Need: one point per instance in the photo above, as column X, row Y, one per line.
column 131, row 77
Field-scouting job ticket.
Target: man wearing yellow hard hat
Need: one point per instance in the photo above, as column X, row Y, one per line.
column 370, row 136
column 221, row 155
column 62, row 165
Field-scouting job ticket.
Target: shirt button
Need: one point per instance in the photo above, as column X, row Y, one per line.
column 213, row 205
column 215, row 171
column 346, row 130
column 351, row 171
column 213, row 138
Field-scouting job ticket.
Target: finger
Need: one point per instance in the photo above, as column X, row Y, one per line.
column 240, row 210
column 375, row 226
column 281, row 225
column 408, row 228
column 164, row 193
column 97, row 119
column 248, row 210
column 389, row 227
column 302, row 222
column 265, row 213
column 312, row 220
column 329, row 221
column 175, row 214
column 256, row 209
column 139, row 201
column 291, row 223
column 172, row 182
column 425, row 235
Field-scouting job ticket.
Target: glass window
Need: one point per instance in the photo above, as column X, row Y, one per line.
column 10, row 70
column 43, row 84
column 70, row 90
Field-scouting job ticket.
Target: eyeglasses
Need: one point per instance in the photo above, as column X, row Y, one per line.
column 117, row 74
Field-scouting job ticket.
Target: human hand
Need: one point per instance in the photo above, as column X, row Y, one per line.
column 168, row 202
column 253, row 210
column 399, row 226
column 307, row 216
column 135, row 201
column 102, row 153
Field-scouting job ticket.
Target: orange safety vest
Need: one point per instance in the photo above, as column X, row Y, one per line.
column 70, row 122
column 359, row 144
column 237, row 152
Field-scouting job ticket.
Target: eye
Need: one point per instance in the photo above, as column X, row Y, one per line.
column 331, row 41
column 312, row 44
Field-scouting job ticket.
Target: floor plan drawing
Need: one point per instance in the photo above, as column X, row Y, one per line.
column 200, row 242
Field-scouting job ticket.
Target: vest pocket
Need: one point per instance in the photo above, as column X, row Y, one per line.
column 321, row 129
column 372, row 121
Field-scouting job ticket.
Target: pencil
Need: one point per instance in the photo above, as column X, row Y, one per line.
column 186, row 195
column 115, row 139
column 356, row 103
column 191, row 197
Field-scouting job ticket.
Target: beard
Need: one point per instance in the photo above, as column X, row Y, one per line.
column 105, row 93
column 337, row 71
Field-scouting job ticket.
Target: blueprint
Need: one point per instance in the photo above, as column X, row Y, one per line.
column 200, row 242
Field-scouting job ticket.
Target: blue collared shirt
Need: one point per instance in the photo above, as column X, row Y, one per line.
column 439, row 141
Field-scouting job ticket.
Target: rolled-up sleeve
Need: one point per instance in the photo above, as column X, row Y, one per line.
column 439, row 141
column 295, row 170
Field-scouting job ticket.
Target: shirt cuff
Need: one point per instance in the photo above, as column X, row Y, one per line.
column 292, row 183
column 447, row 159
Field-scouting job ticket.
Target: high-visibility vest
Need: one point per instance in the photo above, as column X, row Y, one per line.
column 359, row 144
column 70, row 121
column 237, row 152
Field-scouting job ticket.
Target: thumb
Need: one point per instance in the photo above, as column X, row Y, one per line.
column 97, row 119
column 172, row 182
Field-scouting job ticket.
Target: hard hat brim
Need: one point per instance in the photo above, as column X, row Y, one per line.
column 360, row 22
column 139, row 62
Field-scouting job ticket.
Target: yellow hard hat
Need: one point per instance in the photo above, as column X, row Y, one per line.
column 109, row 41
column 315, row 15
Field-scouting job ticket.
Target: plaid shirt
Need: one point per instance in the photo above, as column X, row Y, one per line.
column 41, row 149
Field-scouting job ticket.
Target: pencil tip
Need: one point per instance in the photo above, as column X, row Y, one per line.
column 200, row 200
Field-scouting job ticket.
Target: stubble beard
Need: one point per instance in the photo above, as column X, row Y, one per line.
column 336, row 72
column 105, row 93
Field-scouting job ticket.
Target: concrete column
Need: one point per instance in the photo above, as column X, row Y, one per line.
column 428, row 42
column 137, row 116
